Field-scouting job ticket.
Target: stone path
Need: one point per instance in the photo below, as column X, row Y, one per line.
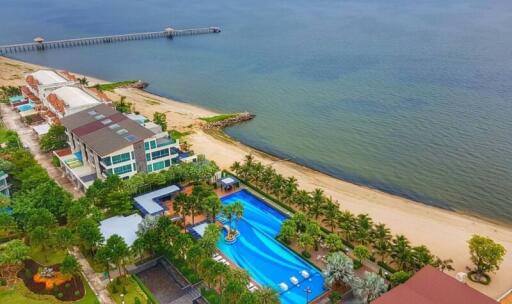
column 96, row 280
column 29, row 139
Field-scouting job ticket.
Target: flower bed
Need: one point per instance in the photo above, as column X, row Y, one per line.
column 66, row 291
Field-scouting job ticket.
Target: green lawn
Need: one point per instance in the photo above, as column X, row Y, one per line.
column 49, row 257
column 218, row 118
column 131, row 291
column 20, row 294
column 175, row 134
column 114, row 85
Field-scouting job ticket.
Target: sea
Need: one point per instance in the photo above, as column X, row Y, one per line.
column 409, row 97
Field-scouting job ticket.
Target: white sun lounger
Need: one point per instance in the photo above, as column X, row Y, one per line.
column 218, row 258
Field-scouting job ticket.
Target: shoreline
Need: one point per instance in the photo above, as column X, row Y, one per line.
column 444, row 231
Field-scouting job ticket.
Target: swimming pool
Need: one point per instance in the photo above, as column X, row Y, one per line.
column 25, row 107
column 266, row 260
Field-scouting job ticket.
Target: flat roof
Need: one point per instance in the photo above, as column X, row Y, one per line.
column 432, row 286
column 46, row 77
column 75, row 97
column 148, row 200
column 41, row 129
column 124, row 226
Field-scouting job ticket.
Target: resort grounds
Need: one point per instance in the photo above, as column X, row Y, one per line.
column 444, row 232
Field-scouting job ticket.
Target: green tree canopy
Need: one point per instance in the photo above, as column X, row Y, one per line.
column 486, row 255
column 55, row 139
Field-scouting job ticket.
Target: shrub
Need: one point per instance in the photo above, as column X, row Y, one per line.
column 399, row 277
column 306, row 254
column 114, row 287
column 28, row 273
column 55, row 161
column 67, row 285
column 2, row 282
column 335, row 297
column 124, row 290
column 77, row 293
column 136, row 301
column 357, row 264
column 60, row 295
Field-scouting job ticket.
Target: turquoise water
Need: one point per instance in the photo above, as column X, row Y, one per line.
column 25, row 107
column 411, row 97
column 267, row 261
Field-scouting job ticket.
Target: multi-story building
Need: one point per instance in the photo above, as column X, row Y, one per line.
column 42, row 82
column 4, row 184
column 68, row 100
column 104, row 141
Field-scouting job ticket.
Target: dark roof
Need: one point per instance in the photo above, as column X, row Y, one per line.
column 431, row 286
column 105, row 130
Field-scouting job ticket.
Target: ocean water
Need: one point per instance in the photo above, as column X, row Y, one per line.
column 411, row 97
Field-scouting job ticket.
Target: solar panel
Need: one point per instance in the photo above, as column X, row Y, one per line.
column 131, row 138
column 106, row 121
column 114, row 126
column 98, row 117
column 122, row 131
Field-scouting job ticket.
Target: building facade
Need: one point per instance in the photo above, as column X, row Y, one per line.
column 104, row 141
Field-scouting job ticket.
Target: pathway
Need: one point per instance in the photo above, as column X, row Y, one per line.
column 29, row 139
column 96, row 280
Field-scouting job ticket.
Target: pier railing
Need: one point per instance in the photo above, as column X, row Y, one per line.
column 40, row 44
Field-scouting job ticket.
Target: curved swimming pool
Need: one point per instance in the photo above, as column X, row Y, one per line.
column 266, row 260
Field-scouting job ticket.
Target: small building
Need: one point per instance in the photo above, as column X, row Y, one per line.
column 228, row 183
column 68, row 100
column 4, row 184
column 124, row 226
column 153, row 203
column 432, row 286
column 42, row 81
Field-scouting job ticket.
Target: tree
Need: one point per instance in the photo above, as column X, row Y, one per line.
column 305, row 241
column 361, row 252
column 104, row 257
column 12, row 255
column 210, row 238
column 370, row 287
column 55, row 139
column 399, row 277
column 181, row 205
column 40, row 237
column 317, row 203
column 83, row 81
column 119, row 203
column 486, row 255
column 334, row 242
column 288, row 231
column 161, row 120
column 119, row 252
column 63, row 238
column 401, row 252
column 89, row 234
column 364, row 226
column 266, row 295
column 339, row 269
column 443, row 264
column 71, row 267
column 212, row 206
column 331, row 213
column 123, row 106
column 302, row 199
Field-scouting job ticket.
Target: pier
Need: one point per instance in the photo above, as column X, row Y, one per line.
column 40, row 44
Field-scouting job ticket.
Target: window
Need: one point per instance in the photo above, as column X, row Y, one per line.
column 148, row 156
column 120, row 158
column 150, row 168
column 123, row 169
column 160, row 153
column 106, row 161
column 158, row 166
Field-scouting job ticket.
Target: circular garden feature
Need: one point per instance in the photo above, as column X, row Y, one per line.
column 48, row 280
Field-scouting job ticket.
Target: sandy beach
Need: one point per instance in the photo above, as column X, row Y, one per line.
column 444, row 232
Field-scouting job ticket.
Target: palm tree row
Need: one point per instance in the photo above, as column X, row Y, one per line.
column 355, row 229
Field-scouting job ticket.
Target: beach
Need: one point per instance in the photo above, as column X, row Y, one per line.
column 444, row 232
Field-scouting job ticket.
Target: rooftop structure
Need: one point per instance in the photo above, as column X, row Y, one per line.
column 68, row 100
column 431, row 286
column 124, row 226
column 46, row 77
column 152, row 203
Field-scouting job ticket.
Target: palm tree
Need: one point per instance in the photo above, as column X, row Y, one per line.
column 421, row 256
column 256, row 172
column 266, row 295
column 266, row 177
column 305, row 241
column 212, row 206
column 277, row 185
column 331, row 213
column 317, row 203
column 302, row 199
column 347, row 224
column 401, row 252
column 235, row 167
column 443, row 264
column 381, row 236
column 334, row 242
column 339, row 269
column 181, row 205
column 364, row 228
column 71, row 267
column 238, row 211
column 289, row 189
column 83, row 81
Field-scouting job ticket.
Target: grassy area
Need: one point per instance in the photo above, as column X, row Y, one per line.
column 19, row 294
column 218, row 118
column 175, row 134
column 49, row 257
column 152, row 102
column 6, row 135
column 114, row 85
column 129, row 288
column 210, row 295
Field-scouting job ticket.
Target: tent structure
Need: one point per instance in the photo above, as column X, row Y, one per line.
column 228, row 183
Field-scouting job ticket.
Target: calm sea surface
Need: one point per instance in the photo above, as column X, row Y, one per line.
column 411, row 97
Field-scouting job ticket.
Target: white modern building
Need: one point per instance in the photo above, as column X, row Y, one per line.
column 42, row 82
column 68, row 100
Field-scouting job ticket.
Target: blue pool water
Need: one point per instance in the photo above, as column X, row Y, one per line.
column 25, row 107
column 266, row 260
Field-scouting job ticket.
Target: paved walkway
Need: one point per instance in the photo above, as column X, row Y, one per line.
column 29, row 139
column 96, row 280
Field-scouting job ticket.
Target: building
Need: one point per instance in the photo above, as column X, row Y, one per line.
column 68, row 100
column 431, row 286
column 104, row 141
column 153, row 203
column 124, row 226
column 4, row 184
column 42, row 82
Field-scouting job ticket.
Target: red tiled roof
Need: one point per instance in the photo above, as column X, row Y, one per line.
column 431, row 286
column 63, row 152
column 96, row 125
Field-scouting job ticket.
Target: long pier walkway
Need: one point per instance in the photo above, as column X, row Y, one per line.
column 40, row 44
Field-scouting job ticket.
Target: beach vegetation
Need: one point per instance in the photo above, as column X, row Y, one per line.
column 122, row 105
column 83, row 81
column 55, row 139
column 370, row 287
column 160, row 119
column 8, row 91
column 486, row 256
column 218, row 118
column 177, row 135
column 111, row 86
column 399, row 277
